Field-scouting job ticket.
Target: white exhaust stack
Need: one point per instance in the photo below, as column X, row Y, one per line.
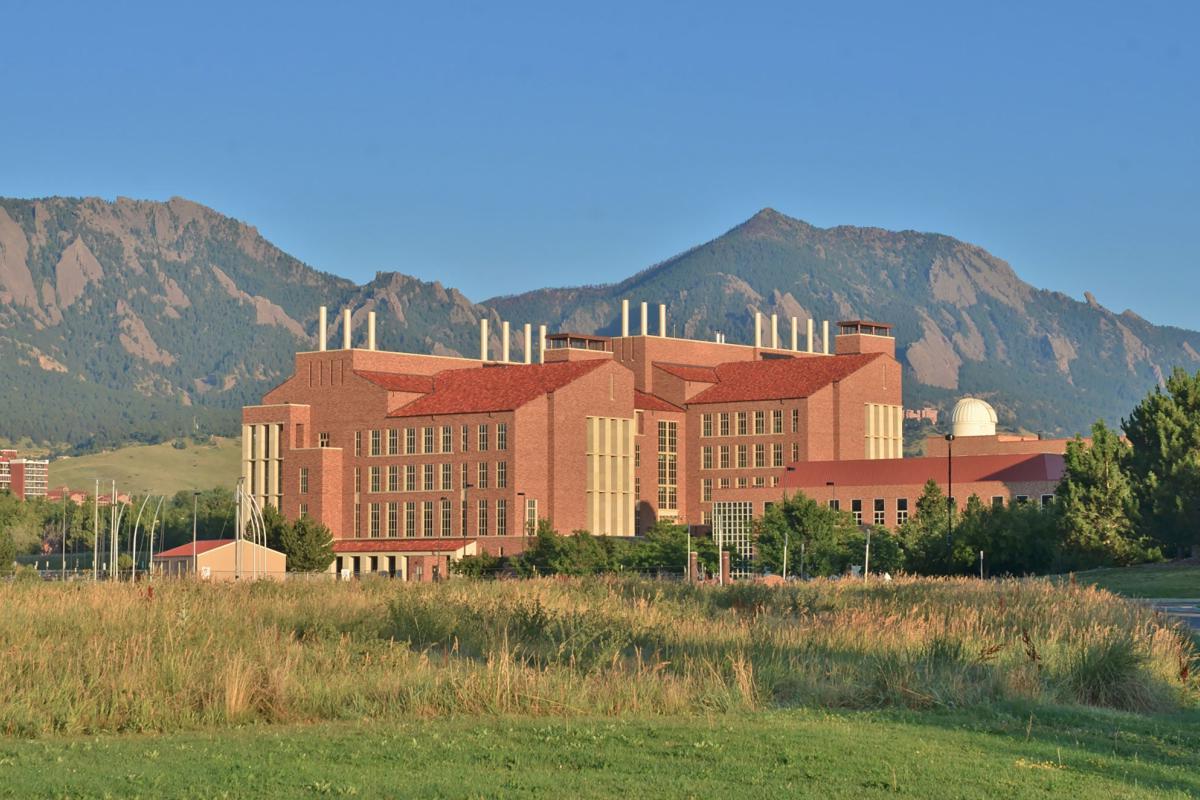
column 662, row 319
column 775, row 331
column 324, row 328
column 483, row 339
column 795, row 334
column 504, row 341
column 810, row 334
column 645, row 319
column 370, row 330
column 624, row 317
column 541, row 344
column 825, row 335
column 346, row 329
column 758, row 329
column 528, row 343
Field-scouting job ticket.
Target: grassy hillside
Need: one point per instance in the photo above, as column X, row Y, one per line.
column 1178, row 579
column 157, row 469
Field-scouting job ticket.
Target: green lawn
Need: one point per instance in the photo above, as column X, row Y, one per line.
column 157, row 469
column 772, row 754
column 1181, row 579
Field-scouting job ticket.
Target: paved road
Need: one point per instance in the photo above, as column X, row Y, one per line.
column 1186, row 610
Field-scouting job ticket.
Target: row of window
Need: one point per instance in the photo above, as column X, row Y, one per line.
column 739, row 456
column 428, row 519
column 742, row 482
column 425, row 441
column 423, row 477
column 879, row 507
column 739, row 423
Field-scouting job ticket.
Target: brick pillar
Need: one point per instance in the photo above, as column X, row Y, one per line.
column 725, row 579
column 693, row 567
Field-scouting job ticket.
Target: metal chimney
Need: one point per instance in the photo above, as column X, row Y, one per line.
column 528, row 343
column 645, row 319
column 323, row 328
column 346, row 329
column 758, row 329
column 624, row 317
column 370, row 330
column 541, row 344
column 483, row 339
column 795, row 334
column 662, row 319
column 825, row 335
column 504, row 341
column 775, row 331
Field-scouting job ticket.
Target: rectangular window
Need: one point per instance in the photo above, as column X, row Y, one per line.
column 483, row 518
column 466, row 443
column 902, row 511
column 1022, row 499
column 304, row 480
column 464, row 517
column 427, row 519
column 482, row 475
column 879, row 510
column 777, row 421
column 637, row 455
column 410, row 477
column 447, row 439
column 427, row 445
column 483, row 438
column 722, row 483
column 640, row 416
column 393, row 447
column 856, row 510
column 760, row 481
column 358, row 443
column 304, row 509
column 835, row 504
column 357, row 480
column 723, row 453
column 723, row 424
column 392, row 520
column 668, row 465
column 376, row 442
column 373, row 477
column 357, row 520
column 743, row 427
column 447, row 477
column 446, row 514
column 410, row 519
column 410, row 441
column 743, row 456
column 501, row 435
column 501, row 515
column 706, row 428
column 1047, row 499
column 374, row 528
column 743, row 482
column 706, row 490
column 706, row 457
column 531, row 516
column 430, row 474
column 997, row 501
column 393, row 478
column 795, row 451
column 501, row 475
column 637, row 488
column 760, row 423
column 795, row 420
column 760, row 456
column 465, row 473
column 323, row 439
column 777, row 454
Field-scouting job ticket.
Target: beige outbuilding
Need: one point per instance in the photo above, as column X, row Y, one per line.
column 222, row 560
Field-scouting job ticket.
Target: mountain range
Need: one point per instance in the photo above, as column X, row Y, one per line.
column 142, row 320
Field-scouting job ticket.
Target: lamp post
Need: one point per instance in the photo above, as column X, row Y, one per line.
column 949, row 496
column 195, row 560
column 521, row 513
column 465, row 513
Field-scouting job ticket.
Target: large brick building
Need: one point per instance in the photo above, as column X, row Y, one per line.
column 23, row 477
column 413, row 459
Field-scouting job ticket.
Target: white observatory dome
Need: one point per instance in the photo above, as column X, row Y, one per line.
column 973, row 417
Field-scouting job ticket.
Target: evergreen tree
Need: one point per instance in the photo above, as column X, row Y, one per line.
column 1096, row 504
column 8, row 552
column 931, row 545
column 276, row 524
column 308, row 545
column 1164, row 430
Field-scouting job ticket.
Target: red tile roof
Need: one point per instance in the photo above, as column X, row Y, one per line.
column 398, row 545
column 689, row 372
column 398, row 381
column 780, row 379
column 650, row 402
column 1013, row 468
column 501, row 388
column 202, row 546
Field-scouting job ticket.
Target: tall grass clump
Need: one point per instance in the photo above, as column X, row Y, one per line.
column 79, row 657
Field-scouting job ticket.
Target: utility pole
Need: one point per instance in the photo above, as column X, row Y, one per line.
column 867, row 558
column 112, row 532
column 786, row 535
column 949, row 497
column 195, row 499
column 64, row 535
column 96, row 533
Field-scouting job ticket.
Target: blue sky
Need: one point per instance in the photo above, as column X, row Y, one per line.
column 499, row 147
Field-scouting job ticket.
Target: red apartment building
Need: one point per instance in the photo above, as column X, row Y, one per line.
column 23, row 477
column 412, row 460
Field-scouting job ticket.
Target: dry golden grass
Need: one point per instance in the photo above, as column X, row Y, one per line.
column 83, row 657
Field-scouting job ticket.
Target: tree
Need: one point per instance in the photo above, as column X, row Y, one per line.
column 483, row 565
column 1096, row 504
column 275, row 523
column 1164, row 430
column 8, row 552
column 578, row 554
column 665, row 546
column 308, row 545
column 924, row 537
column 828, row 537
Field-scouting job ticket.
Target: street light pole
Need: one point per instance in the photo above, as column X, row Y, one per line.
column 949, row 496
column 96, row 533
column 195, row 562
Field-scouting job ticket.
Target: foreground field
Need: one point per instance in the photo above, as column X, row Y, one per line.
column 1180, row 579
column 186, row 655
column 156, row 469
column 1011, row 752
